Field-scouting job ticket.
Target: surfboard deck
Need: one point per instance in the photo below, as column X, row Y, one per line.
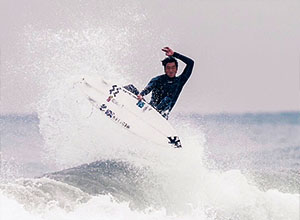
column 122, row 107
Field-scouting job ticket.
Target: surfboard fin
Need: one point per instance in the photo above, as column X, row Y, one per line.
column 175, row 141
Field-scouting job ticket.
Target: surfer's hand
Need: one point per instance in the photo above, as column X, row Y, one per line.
column 139, row 97
column 169, row 51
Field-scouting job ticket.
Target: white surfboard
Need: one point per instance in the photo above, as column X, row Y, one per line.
column 123, row 108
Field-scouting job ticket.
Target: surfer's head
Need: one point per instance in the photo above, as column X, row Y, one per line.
column 170, row 64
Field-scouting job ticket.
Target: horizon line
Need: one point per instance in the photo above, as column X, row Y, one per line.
column 35, row 114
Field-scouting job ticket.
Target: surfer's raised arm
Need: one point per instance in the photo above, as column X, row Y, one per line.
column 185, row 75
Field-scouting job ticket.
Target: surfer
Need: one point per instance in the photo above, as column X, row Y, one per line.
column 167, row 87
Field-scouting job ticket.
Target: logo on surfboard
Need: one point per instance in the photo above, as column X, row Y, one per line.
column 109, row 98
column 109, row 113
column 140, row 104
column 114, row 90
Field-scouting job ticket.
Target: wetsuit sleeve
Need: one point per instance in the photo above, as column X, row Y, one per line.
column 149, row 87
column 185, row 75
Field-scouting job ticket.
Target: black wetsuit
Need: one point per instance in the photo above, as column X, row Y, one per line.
column 166, row 90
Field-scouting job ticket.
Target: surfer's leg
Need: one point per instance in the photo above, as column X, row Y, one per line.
column 132, row 88
column 164, row 107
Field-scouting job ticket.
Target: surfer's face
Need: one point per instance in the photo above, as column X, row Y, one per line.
column 171, row 69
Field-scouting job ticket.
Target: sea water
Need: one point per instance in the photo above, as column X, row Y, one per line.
column 232, row 166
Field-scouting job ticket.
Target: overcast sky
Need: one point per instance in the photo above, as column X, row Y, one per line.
column 247, row 52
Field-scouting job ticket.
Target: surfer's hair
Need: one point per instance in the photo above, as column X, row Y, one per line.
column 169, row 59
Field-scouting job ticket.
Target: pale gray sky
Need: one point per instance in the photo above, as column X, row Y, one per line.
column 247, row 53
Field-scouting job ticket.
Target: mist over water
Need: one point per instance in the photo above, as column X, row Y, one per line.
column 70, row 162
